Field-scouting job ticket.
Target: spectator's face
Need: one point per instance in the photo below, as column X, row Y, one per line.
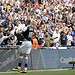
column 1, row 29
column 40, row 28
column 1, row 34
column 53, row 28
column 50, row 17
column 10, row 27
column 57, row 29
column 74, row 38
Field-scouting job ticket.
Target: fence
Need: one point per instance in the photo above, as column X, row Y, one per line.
column 44, row 58
column 7, row 58
column 52, row 58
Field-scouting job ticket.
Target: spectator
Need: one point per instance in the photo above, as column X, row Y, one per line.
column 34, row 42
column 54, row 17
column 56, row 37
column 63, row 39
column 69, row 39
column 73, row 42
column 48, row 41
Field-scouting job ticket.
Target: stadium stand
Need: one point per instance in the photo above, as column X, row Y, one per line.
column 47, row 23
column 53, row 23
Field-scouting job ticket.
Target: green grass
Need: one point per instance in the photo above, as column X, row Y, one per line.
column 67, row 72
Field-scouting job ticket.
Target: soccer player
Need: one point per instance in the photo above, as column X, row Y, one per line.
column 25, row 49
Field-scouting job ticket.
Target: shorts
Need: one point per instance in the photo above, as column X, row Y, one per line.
column 25, row 48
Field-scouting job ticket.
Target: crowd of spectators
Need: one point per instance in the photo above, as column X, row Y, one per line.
column 49, row 23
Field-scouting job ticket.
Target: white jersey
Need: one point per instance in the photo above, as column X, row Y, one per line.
column 2, row 39
column 21, row 28
column 56, row 37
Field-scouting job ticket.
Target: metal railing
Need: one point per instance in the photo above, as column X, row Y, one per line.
column 43, row 58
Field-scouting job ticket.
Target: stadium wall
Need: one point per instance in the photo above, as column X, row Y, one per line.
column 47, row 58
column 44, row 58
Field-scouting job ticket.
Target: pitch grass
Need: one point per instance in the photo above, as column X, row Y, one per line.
column 67, row 72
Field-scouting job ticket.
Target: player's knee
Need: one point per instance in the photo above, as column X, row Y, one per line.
column 19, row 64
column 26, row 57
column 26, row 65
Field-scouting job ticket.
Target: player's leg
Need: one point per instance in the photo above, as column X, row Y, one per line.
column 20, row 63
column 25, row 63
column 26, row 55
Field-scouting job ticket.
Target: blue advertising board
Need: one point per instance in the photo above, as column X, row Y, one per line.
column 44, row 58
column 52, row 58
